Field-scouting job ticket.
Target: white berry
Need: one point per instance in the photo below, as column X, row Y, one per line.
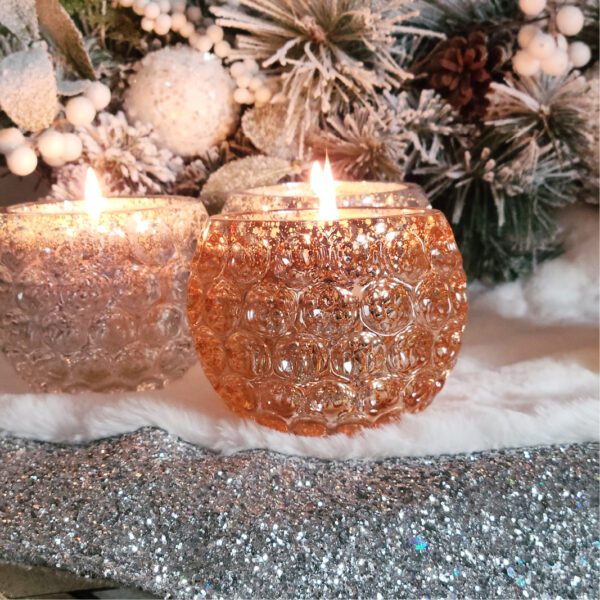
column 126, row 3
column 72, row 147
column 580, row 54
column 80, row 111
column 152, row 10
column 10, row 138
column 186, row 29
column 569, row 20
column 139, row 6
column 178, row 20
column 162, row 25
column 262, row 95
column 22, row 161
column 178, row 6
column 542, row 45
column 203, row 44
column 255, row 83
column 243, row 81
column 556, row 64
column 242, row 96
column 526, row 34
column 251, row 65
column 215, row 33
column 222, row 49
column 165, row 6
column 237, row 69
column 194, row 13
column 51, row 144
column 147, row 24
column 99, row 94
column 54, row 161
column 532, row 7
column 525, row 64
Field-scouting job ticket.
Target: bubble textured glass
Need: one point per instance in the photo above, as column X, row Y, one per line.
column 324, row 327
column 349, row 194
column 97, row 303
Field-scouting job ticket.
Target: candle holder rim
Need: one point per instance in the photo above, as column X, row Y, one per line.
column 76, row 207
column 366, row 212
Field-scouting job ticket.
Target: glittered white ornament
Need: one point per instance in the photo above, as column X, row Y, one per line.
column 542, row 45
column 51, row 144
column 580, row 54
column 10, row 138
column 99, row 94
column 80, row 111
column 556, row 64
column 532, row 7
column 22, row 161
column 526, row 34
column 525, row 64
column 72, row 147
column 569, row 20
column 186, row 95
column 162, row 25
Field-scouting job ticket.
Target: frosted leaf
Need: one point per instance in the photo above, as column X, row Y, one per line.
column 28, row 89
column 249, row 172
column 265, row 127
column 72, row 88
column 20, row 18
column 56, row 23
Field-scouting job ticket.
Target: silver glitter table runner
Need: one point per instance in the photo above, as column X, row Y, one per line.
column 148, row 510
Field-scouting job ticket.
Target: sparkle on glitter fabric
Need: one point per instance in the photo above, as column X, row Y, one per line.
column 146, row 509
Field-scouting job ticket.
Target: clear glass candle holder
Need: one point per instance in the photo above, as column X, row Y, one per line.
column 299, row 195
column 317, row 327
column 97, row 302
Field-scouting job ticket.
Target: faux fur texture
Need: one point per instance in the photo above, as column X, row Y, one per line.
column 527, row 375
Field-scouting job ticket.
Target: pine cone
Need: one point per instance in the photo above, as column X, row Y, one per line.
column 461, row 69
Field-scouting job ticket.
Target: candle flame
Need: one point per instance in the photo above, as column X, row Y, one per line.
column 94, row 201
column 323, row 185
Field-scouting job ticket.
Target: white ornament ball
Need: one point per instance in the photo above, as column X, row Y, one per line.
column 186, row 29
column 80, row 111
column 532, row 7
column 262, row 95
column 255, row 83
column 569, row 20
column 178, row 6
column 556, row 64
column 580, row 54
column 542, row 45
column 55, row 161
column 186, row 95
column 126, row 3
column 237, row 69
column 243, row 96
column 251, row 65
column 178, row 20
column 243, row 81
column 51, row 144
column 99, row 94
column 526, row 34
column 10, row 138
column 215, row 33
column 22, row 161
column 194, row 13
column 162, row 25
column 203, row 44
column 139, row 6
column 72, row 147
column 165, row 6
column 152, row 10
column 147, row 24
column 525, row 64
column 222, row 49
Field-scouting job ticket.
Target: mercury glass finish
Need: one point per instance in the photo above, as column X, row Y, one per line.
column 97, row 303
column 323, row 327
column 348, row 194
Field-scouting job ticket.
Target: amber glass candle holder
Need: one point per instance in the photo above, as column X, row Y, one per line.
column 348, row 194
column 318, row 327
column 97, row 302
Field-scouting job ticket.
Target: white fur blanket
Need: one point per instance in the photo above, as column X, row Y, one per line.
column 527, row 375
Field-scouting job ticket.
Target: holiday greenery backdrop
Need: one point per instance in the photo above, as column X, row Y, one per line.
column 491, row 106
